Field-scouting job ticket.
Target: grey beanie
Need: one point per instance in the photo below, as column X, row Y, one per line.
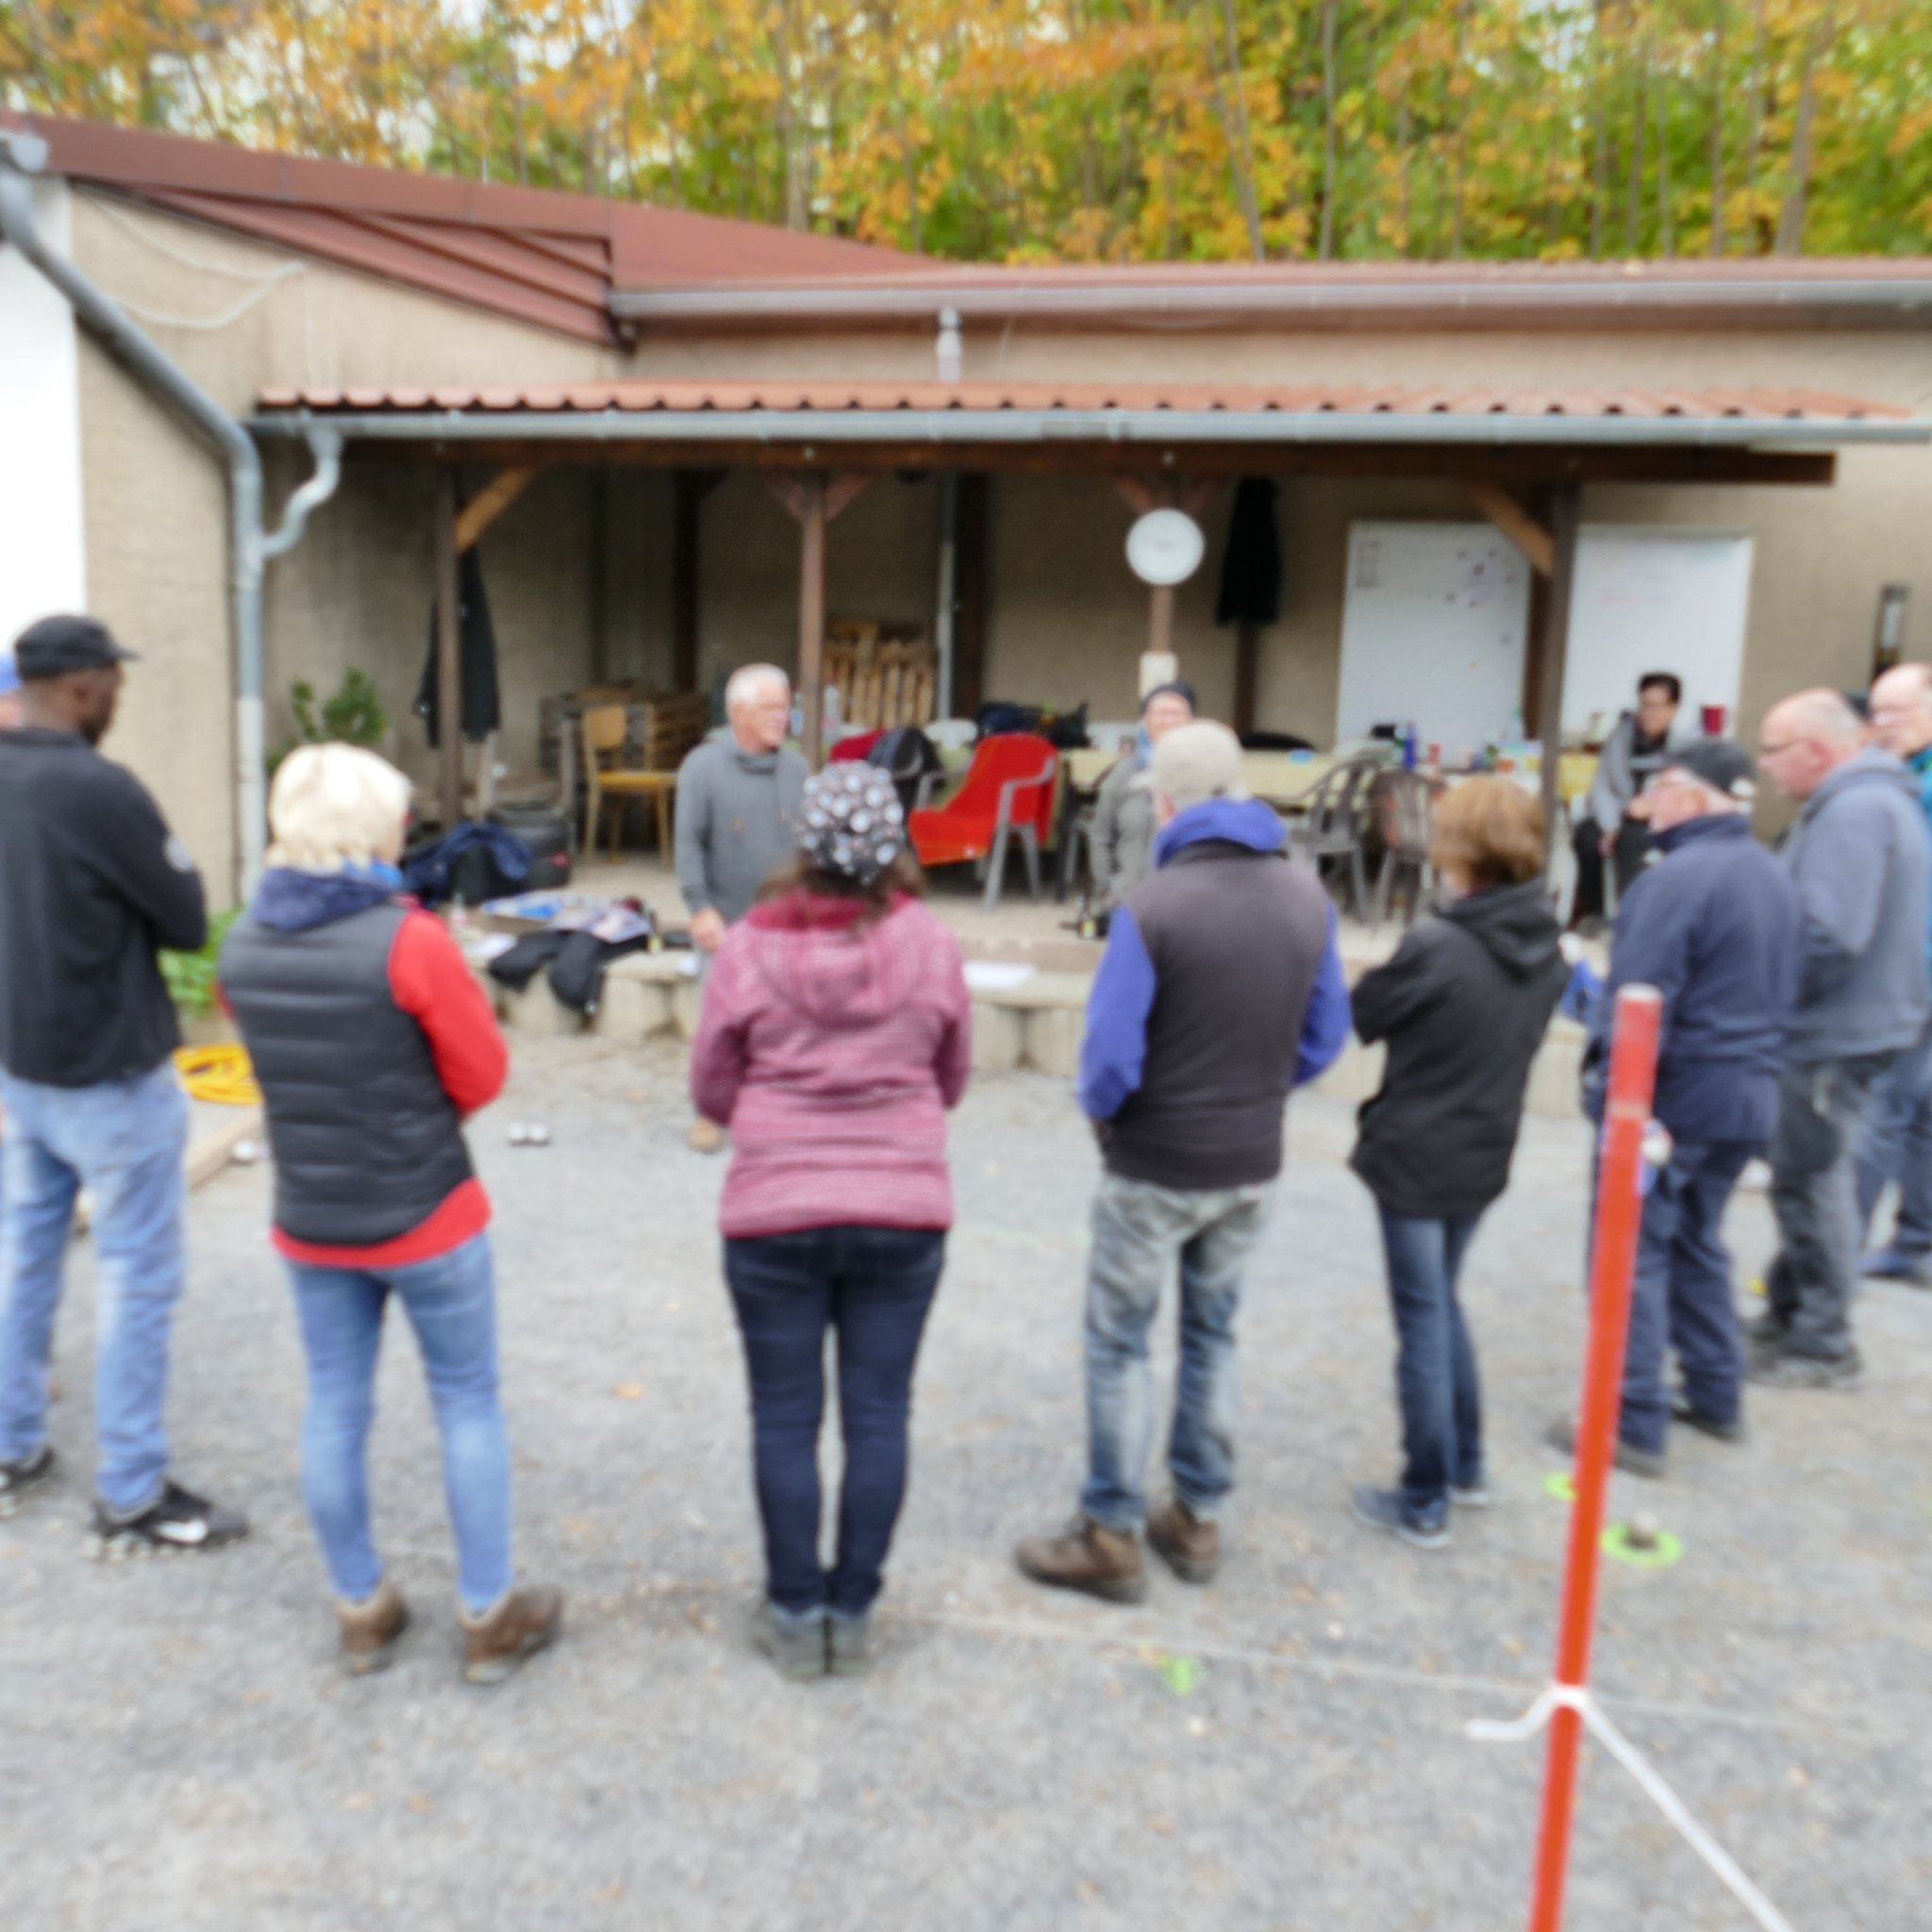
column 850, row 823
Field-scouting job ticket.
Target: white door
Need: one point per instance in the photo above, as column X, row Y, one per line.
column 1432, row 630
column 41, row 561
column 1655, row 600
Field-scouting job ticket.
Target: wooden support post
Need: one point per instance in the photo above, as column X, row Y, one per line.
column 1566, row 506
column 1516, row 521
column 689, row 488
column 1247, row 659
column 1160, row 619
column 970, row 582
column 491, row 502
column 811, row 610
column 449, row 660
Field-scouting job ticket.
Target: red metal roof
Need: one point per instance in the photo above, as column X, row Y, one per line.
column 539, row 256
column 725, row 397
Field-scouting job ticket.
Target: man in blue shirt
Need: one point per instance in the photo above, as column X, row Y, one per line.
column 1898, row 1134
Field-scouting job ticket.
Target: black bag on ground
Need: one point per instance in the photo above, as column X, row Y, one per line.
column 545, row 832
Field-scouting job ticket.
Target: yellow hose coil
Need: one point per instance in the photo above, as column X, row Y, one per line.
column 218, row 1074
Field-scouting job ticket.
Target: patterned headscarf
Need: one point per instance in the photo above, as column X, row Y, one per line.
column 850, row 822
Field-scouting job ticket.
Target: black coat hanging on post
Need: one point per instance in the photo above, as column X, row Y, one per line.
column 1250, row 588
column 476, row 649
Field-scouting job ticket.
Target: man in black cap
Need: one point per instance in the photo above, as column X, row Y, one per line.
column 1714, row 926
column 92, row 883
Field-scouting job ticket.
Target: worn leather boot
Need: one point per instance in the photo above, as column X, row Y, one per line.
column 370, row 1630
column 1188, row 1547
column 1100, row 1562
column 523, row 1622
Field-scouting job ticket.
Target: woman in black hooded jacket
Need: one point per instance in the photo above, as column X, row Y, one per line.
column 1463, row 1005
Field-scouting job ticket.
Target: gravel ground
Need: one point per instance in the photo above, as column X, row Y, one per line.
column 1284, row 1749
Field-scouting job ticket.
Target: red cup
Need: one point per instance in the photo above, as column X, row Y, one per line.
column 1713, row 720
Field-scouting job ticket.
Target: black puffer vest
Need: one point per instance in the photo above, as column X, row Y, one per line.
column 367, row 1145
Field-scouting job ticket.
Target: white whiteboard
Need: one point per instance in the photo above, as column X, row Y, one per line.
column 42, row 568
column 1655, row 600
column 1432, row 629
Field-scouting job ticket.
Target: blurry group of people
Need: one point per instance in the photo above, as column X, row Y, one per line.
column 835, row 1036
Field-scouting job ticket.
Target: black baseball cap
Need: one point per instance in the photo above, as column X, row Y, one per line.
column 57, row 645
column 1721, row 764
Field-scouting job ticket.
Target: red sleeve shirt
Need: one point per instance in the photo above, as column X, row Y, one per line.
column 431, row 981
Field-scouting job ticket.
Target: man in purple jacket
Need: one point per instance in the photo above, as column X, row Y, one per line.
column 1221, row 988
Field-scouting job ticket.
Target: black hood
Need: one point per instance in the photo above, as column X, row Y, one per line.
column 1515, row 923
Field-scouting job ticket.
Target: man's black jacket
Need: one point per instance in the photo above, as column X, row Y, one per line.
column 91, row 884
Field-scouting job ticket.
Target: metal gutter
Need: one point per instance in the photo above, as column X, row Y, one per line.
column 810, row 429
column 21, row 157
column 1873, row 301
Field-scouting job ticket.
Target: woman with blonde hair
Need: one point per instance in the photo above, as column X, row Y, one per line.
column 373, row 1043
column 1463, row 1006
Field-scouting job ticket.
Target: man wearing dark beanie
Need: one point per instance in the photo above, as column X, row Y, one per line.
column 92, row 883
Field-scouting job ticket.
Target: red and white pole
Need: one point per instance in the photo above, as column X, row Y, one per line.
column 1613, row 1253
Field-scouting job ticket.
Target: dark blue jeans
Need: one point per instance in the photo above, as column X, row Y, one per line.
column 1435, row 1365
column 873, row 1286
column 1681, row 1293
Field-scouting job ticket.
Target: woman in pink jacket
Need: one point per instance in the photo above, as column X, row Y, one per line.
column 836, row 1032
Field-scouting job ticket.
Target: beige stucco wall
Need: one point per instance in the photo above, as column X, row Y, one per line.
column 578, row 569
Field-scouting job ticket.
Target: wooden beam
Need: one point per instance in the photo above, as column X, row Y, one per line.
column 491, row 502
column 689, row 488
column 971, row 584
column 1513, row 518
column 842, row 493
column 1512, row 466
column 1135, row 494
column 449, row 661
column 811, row 610
column 1566, row 506
column 837, row 494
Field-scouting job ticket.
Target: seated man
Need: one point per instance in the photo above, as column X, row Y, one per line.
column 1123, row 843
column 1631, row 758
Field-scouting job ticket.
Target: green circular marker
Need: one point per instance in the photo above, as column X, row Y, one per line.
column 1558, row 1484
column 1667, row 1550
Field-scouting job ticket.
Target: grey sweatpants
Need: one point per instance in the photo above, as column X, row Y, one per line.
column 1814, row 1193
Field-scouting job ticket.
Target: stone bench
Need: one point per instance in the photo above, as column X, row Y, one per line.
column 1036, row 1025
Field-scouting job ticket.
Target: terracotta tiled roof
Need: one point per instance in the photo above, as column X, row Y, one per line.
column 540, row 257
column 1295, row 399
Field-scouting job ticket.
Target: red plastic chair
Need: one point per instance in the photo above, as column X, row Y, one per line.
column 1008, row 795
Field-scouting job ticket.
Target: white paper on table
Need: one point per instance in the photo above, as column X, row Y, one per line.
column 489, row 945
column 996, row 976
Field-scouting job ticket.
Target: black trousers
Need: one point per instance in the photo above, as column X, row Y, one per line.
column 1632, row 848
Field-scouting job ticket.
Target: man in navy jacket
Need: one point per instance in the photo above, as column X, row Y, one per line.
column 1714, row 924
column 1221, row 988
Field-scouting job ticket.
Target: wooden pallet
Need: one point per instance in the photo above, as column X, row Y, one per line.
column 887, row 674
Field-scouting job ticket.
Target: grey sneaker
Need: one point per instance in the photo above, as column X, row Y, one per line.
column 22, row 1473
column 1784, row 1368
column 847, row 1643
column 1474, row 1495
column 1425, row 1529
column 1561, row 1434
column 794, row 1642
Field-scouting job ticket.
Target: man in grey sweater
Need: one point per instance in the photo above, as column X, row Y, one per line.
column 736, row 810
column 1859, row 853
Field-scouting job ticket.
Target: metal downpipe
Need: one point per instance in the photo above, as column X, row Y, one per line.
column 23, row 156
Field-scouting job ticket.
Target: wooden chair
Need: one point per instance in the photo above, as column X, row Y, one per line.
column 605, row 729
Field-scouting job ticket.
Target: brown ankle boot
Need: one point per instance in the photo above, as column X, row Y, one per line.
column 370, row 1630
column 1188, row 1547
column 1089, row 1557
column 526, row 1622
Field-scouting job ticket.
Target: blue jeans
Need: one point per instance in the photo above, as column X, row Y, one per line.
column 1681, row 1293
column 1435, row 1364
column 1898, row 1147
column 872, row 1286
column 451, row 1303
column 123, row 1141
column 1138, row 1231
